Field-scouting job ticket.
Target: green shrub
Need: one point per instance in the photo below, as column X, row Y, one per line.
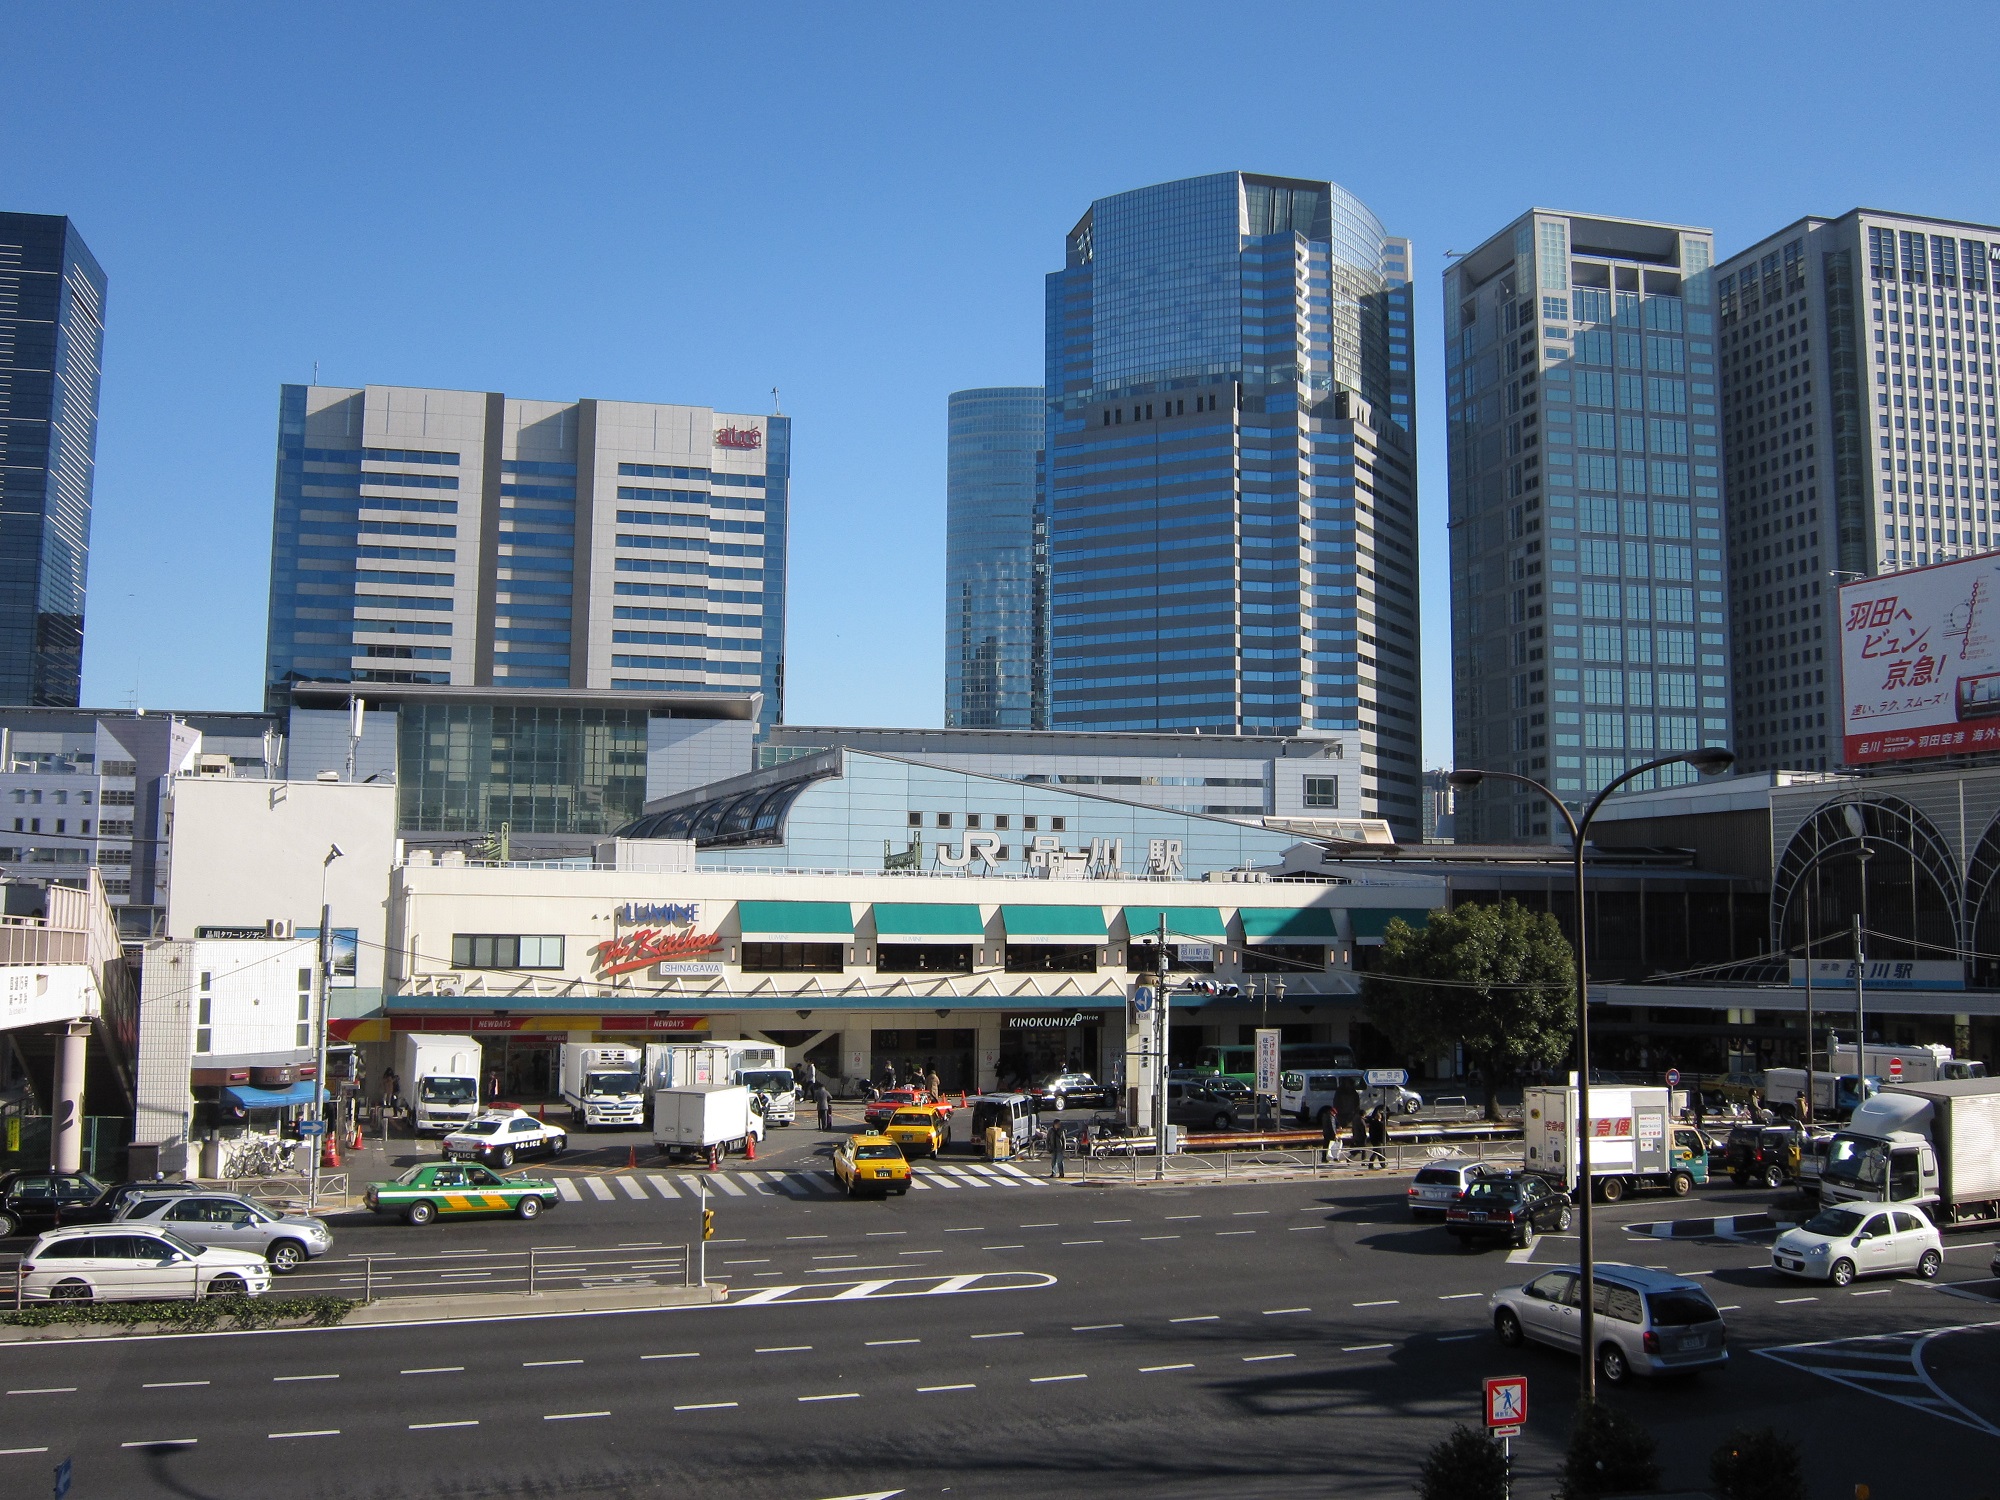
column 1758, row 1464
column 1468, row 1465
column 187, row 1316
column 1609, row 1454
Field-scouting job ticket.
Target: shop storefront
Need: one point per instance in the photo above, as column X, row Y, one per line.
column 951, row 1052
column 1036, row 1044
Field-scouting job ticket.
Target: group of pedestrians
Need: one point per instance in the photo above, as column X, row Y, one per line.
column 1367, row 1132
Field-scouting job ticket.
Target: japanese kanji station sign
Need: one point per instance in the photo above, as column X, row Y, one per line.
column 1920, row 662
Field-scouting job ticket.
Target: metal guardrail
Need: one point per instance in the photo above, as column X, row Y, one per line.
column 527, row 1273
column 1397, row 1157
column 291, row 1190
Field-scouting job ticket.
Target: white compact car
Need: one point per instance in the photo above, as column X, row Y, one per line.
column 135, row 1263
column 1839, row 1244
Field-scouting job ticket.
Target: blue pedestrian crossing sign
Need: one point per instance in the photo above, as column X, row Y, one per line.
column 1506, row 1404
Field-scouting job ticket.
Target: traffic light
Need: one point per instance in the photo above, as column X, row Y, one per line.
column 708, row 1223
column 1213, row 987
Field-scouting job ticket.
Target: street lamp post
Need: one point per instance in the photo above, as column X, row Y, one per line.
column 316, row 1148
column 1708, row 762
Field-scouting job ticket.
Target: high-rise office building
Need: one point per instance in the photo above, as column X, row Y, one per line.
column 1231, row 475
column 51, row 359
column 470, row 538
column 1588, row 617
column 995, row 562
column 1858, row 428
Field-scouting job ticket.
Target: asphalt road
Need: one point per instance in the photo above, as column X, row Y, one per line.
column 1291, row 1340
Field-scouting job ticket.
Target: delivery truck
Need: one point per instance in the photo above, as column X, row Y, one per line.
column 603, row 1085
column 1936, row 1145
column 440, row 1080
column 705, row 1120
column 1635, row 1143
column 759, row 1066
column 1835, row 1096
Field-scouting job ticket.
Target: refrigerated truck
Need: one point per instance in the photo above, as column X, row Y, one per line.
column 440, row 1079
column 760, row 1066
column 696, row 1119
column 602, row 1084
column 1835, row 1096
column 1936, row 1145
column 1635, row 1142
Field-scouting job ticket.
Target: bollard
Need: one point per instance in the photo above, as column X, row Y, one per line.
column 531, row 1270
column 367, row 1279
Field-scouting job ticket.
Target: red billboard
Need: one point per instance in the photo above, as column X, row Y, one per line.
column 1920, row 662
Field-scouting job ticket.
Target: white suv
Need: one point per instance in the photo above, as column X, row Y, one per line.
column 1441, row 1183
column 135, row 1263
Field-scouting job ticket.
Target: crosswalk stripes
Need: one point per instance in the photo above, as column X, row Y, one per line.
column 798, row 1183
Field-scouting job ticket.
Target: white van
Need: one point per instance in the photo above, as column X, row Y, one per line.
column 1307, row 1096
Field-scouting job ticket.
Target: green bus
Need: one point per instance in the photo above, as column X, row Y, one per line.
column 1239, row 1060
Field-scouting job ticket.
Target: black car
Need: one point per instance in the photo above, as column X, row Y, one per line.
column 1201, row 1107
column 1062, row 1090
column 1513, row 1208
column 33, row 1201
column 108, row 1204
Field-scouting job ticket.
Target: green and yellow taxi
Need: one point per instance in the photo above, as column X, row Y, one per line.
column 919, row 1129
column 458, row 1190
column 871, row 1164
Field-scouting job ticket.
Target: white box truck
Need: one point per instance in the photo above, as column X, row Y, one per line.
column 1835, row 1096
column 697, row 1119
column 1634, row 1142
column 759, row 1066
column 440, row 1079
column 603, row 1085
column 673, row 1065
column 1933, row 1144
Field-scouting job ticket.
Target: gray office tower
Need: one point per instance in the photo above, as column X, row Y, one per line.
column 1588, row 609
column 1858, row 429
column 1231, row 475
column 51, row 358
column 995, row 562
column 476, row 539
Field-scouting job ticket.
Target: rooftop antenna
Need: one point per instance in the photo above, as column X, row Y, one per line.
column 315, row 372
column 776, row 409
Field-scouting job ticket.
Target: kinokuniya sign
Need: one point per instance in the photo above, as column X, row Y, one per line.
column 1049, row 1020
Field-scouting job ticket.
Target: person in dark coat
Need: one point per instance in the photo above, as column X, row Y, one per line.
column 1357, row 1136
column 1058, row 1152
column 823, row 1096
column 1378, row 1138
column 1329, row 1129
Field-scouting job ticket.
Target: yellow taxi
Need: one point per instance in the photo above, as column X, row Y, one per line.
column 919, row 1129
column 871, row 1164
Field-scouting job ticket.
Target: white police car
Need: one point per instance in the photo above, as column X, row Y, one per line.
column 500, row 1137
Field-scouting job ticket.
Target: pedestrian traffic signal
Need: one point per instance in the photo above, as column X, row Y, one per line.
column 708, row 1223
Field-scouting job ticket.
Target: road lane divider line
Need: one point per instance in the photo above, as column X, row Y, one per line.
column 1003, row 1247
column 163, row 1443
column 1221, row 1233
column 1145, row 1237
column 573, row 1416
column 1880, row 1291
column 170, row 1385
column 1014, row 1334
column 707, row 1406
column 1053, row 1379
column 1092, row 1327
column 1363, row 1348
column 315, row 1432
column 1459, row 1296
column 544, row 1364
column 1789, row 1301
column 439, row 1426
column 787, row 1349
column 922, row 1390
column 1083, row 1242
column 690, row 1354
column 1156, row 1369
column 1201, row 1318
column 1273, row 1312
column 437, row 1370
column 886, row 1343
column 284, row 1379
column 1385, row 1302
column 16, row 1452
column 1258, row 1359
column 45, row 1390
column 836, row 1396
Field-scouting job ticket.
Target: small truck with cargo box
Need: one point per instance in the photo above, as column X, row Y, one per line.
column 704, row 1120
column 1635, row 1142
column 1936, row 1145
column 440, row 1079
column 602, row 1084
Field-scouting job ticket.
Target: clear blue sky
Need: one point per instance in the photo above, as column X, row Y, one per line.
column 853, row 203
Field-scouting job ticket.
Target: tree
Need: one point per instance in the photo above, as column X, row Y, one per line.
column 1609, row 1454
column 1499, row 979
column 1468, row 1465
column 1758, row 1464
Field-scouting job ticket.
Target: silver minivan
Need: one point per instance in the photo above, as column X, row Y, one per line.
column 230, row 1223
column 1647, row 1323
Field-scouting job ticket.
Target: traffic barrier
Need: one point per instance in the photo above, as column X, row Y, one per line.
column 750, row 1147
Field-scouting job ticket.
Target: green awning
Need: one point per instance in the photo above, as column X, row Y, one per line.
column 927, row 922
column 1054, row 924
column 1183, row 922
column 796, row 921
column 1288, row 924
column 1370, row 923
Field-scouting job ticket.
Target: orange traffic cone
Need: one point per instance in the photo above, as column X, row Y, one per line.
column 329, row 1155
column 631, row 1157
column 714, row 1158
column 750, row 1147
column 354, row 1139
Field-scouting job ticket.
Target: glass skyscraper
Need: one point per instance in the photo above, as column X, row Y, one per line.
column 995, row 562
column 51, row 357
column 1231, row 475
column 476, row 539
column 1589, row 612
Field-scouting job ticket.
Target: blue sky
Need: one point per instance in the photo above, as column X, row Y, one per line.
column 855, row 204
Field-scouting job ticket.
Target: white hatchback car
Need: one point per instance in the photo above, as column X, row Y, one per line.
column 1441, row 1183
column 1839, row 1244
column 135, row 1263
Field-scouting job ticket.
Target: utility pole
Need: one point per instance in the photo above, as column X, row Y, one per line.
column 317, row 1146
column 1160, row 1053
column 1860, row 965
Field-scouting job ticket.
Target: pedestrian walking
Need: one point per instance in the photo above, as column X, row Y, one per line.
column 932, row 1082
column 811, row 1078
column 823, row 1096
column 1329, row 1129
column 1058, row 1152
column 1378, row 1138
column 1357, row 1136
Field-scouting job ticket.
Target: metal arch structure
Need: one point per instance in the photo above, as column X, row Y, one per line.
column 1888, row 823
column 1982, row 875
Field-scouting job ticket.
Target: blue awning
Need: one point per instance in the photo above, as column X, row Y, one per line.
column 248, row 1098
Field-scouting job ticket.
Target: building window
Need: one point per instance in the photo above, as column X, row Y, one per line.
column 1144, row 958
column 204, row 1036
column 792, row 958
column 476, row 950
column 916, row 820
column 944, row 820
column 305, row 1008
column 1059, row 825
column 1003, row 820
column 1283, row 958
column 972, row 820
column 1322, row 791
column 1029, row 822
column 1051, row 958
column 923, row 958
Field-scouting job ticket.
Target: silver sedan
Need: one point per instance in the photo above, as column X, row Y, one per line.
column 232, row 1223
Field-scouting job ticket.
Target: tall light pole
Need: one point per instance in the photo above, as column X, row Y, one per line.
column 317, row 1147
column 1708, row 762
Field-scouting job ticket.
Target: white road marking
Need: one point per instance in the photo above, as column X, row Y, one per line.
column 1003, row 1247
column 967, row 1229
column 1295, row 1228
column 790, row 1237
column 573, row 1416
column 435, row 1370
column 886, row 1343
column 1521, row 1256
column 1272, row 1312
column 1788, row 1301
column 1880, row 1291
column 661, row 1185
column 1145, row 1237
column 1258, row 1359
column 1054, row 1379
column 1111, row 1221
column 787, row 1349
column 1459, row 1296
column 1457, row 1338
column 837, row 1396
column 633, row 1187
column 1363, row 1348
column 721, row 1180
column 887, row 1234
column 599, row 1190
column 1013, row 1335
column 434, row 1426
column 1248, row 1213
column 1043, row 1226
column 920, row 1252
column 691, row 1354
column 1221, row 1233
column 1173, row 1218
column 45, row 1390
column 163, row 1443
column 170, row 1385
column 1092, row 1327
column 838, row 1255
column 761, row 1260
column 1386, row 1302
column 1155, row 1369
column 1083, row 1242
column 544, row 1364
column 922, row 1390
column 1730, row 1307
column 282, row 1379
column 1203, row 1318
column 317, row 1432
column 11, row 1452
column 707, row 1406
